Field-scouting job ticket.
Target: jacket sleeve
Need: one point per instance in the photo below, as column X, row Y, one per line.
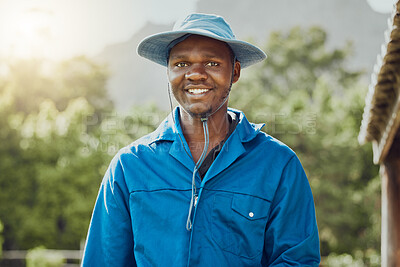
column 291, row 236
column 110, row 241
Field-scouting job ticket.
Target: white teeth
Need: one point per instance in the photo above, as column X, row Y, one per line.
column 198, row 91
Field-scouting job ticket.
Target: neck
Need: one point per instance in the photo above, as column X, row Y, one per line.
column 192, row 127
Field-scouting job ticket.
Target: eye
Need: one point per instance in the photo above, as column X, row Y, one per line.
column 181, row 64
column 212, row 64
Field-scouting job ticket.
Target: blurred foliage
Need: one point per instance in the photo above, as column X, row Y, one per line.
column 370, row 258
column 1, row 239
column 59, row 130
column 310, row 101
column 46, row 177
column 30, row 82
column 40, row 257
column 56, row 145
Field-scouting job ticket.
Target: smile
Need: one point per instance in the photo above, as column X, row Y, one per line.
column 198, row 91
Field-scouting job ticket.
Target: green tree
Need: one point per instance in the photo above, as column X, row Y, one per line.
column 30, row 82
column 58, row 140
column 313, row 103
column 49, row 172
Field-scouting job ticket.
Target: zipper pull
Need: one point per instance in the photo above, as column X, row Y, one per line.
column 195, row 200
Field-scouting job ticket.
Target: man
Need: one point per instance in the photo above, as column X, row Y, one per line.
column 207, row 188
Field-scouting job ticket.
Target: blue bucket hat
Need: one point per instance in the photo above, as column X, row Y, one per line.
column 156, row 47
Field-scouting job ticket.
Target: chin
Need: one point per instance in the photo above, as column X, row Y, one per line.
column 200, row 113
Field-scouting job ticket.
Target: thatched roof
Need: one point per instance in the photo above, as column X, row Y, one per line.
column 381, row 118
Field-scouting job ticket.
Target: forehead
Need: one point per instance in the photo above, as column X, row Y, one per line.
column 202, row 43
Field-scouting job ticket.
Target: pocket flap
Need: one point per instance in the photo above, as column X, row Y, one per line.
column 252, row 208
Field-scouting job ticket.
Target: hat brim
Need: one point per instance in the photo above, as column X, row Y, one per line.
column 155, row 47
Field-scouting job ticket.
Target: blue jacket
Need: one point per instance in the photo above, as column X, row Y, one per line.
column 255, row 206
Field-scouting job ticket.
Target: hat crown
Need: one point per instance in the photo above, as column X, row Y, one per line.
column 157, row 46
column 207, row 23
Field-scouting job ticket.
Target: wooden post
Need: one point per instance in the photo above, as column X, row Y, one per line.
column 390, row 173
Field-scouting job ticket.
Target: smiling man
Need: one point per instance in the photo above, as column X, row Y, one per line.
column 207, row 188
column 201, row 71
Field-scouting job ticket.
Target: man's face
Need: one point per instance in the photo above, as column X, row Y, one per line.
column 201, row 72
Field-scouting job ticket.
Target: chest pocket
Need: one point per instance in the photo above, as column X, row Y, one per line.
column 238, row 223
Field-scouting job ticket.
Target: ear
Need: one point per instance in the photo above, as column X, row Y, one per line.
column 236, row 72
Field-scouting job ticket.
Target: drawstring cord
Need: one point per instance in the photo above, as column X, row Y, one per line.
column 193, row 199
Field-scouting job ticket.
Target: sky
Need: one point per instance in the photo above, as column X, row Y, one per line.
column 382, row 6
column 59, row 29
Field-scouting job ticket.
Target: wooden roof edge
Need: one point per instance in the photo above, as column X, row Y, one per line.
column 382, row 147
column 381, row 141
column 364, row 136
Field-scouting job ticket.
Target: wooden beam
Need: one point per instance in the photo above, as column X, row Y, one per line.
column 390, row 173
column 381, row 148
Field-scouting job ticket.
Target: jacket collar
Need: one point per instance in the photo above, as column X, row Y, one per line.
column 168, row 129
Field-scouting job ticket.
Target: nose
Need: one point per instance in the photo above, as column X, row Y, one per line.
column 196, row 72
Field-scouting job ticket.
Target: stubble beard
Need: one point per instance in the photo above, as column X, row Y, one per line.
column 209, row 112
